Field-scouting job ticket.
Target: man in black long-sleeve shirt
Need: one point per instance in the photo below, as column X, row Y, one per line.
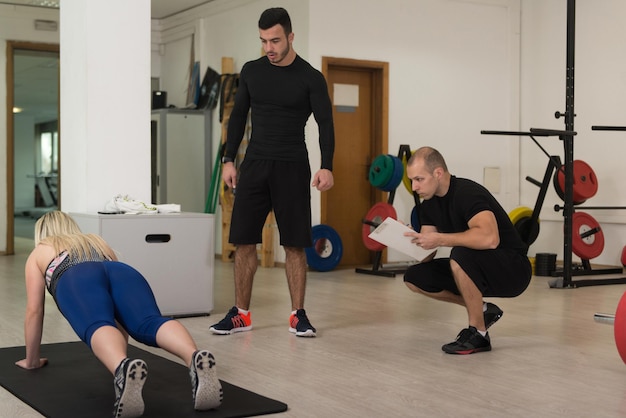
column 282, row 90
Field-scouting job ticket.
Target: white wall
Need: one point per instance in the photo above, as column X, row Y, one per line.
column 427, row 44
column 453, row 70
column 105, row 103
column 600, row 87
column 16, row 24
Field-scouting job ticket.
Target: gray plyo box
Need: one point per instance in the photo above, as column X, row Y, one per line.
column 175, row 253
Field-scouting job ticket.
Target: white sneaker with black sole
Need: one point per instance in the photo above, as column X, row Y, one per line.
column 129, row 379
column 206, row 388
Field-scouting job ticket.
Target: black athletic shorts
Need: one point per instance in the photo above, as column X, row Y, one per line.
column 283, row 186
column 496, row 273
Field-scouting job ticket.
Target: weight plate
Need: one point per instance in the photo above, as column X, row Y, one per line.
column 527, row 230
column 619, row 327
column 585, row 182
column 624, row 256
column 519, row 213
column 405, row 179
column 377, row 214
column 327, row 249
column 396, row 177
column 381, row 170
column 415, row 219
column 588, row 247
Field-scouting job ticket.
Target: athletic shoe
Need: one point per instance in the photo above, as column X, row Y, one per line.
column 234, row 321
column 492, row 314
column 206, row 388
column 299, row 324
column 128, row 382
column 468, row 341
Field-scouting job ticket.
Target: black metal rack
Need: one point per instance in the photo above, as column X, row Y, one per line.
column 377, row 267
column 567, row 136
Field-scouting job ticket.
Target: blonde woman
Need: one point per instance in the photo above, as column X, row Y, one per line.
column 104, row 301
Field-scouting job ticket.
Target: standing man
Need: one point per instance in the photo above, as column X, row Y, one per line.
column 488, row 257
column 282, row 90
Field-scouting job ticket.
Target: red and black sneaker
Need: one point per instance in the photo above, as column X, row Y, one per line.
column 492, row 314
column 468, row 341
column 299, row 324
column 234, row 321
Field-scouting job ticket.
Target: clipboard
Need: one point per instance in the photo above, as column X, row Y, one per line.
column 391, row 233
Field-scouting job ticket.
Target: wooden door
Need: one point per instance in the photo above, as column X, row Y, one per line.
column 360, row 135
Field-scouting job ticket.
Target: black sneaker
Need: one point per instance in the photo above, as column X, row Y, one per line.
column 234, row 321
column 128, row 382
column 299, row 324
column 206, row 388
column 492, row 314
column 468, row 341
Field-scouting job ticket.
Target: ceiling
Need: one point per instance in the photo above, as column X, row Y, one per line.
column 160, row 9
column 164, row 8
column 36, row 75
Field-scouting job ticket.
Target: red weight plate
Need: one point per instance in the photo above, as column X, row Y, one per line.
column 619, row 328
column 585, row 184
column 588, row 247
column 377, row 214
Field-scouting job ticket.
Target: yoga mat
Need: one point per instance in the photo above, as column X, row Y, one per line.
column 76, row 384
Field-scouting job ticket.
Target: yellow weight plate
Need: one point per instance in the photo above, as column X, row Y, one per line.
column 519, row 213
column 405, row 180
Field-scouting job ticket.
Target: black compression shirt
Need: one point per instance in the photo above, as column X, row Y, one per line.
column 466, row 198
column 281, row 99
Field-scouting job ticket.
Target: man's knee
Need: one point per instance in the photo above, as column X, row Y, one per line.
column 412, row 287
column 245, row 250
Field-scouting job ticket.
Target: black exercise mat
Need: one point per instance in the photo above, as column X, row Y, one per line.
column 76, row 384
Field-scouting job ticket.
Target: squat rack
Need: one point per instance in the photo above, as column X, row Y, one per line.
column 567, row 136
column 404, row 152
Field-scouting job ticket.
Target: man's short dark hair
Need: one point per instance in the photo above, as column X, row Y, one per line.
column 432, row 159
column 275, row 16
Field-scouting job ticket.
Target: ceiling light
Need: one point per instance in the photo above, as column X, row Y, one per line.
column 17, row 110
column 45, row 3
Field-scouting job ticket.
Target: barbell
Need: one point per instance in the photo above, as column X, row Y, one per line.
column 619, row 325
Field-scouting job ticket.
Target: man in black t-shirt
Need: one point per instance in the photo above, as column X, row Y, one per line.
column 488, row 258
column 282, row 90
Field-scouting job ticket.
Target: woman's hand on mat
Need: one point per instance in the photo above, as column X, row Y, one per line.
column 25, row 364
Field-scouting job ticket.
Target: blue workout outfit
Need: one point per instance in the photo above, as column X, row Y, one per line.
column 95, row 292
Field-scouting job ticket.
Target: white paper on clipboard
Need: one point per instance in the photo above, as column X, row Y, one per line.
column 391, row 233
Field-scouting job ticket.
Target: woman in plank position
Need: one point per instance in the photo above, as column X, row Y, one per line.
column 105, row 300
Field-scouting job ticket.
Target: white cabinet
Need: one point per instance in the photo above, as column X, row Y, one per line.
column 174, row 252
column 181, row 157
